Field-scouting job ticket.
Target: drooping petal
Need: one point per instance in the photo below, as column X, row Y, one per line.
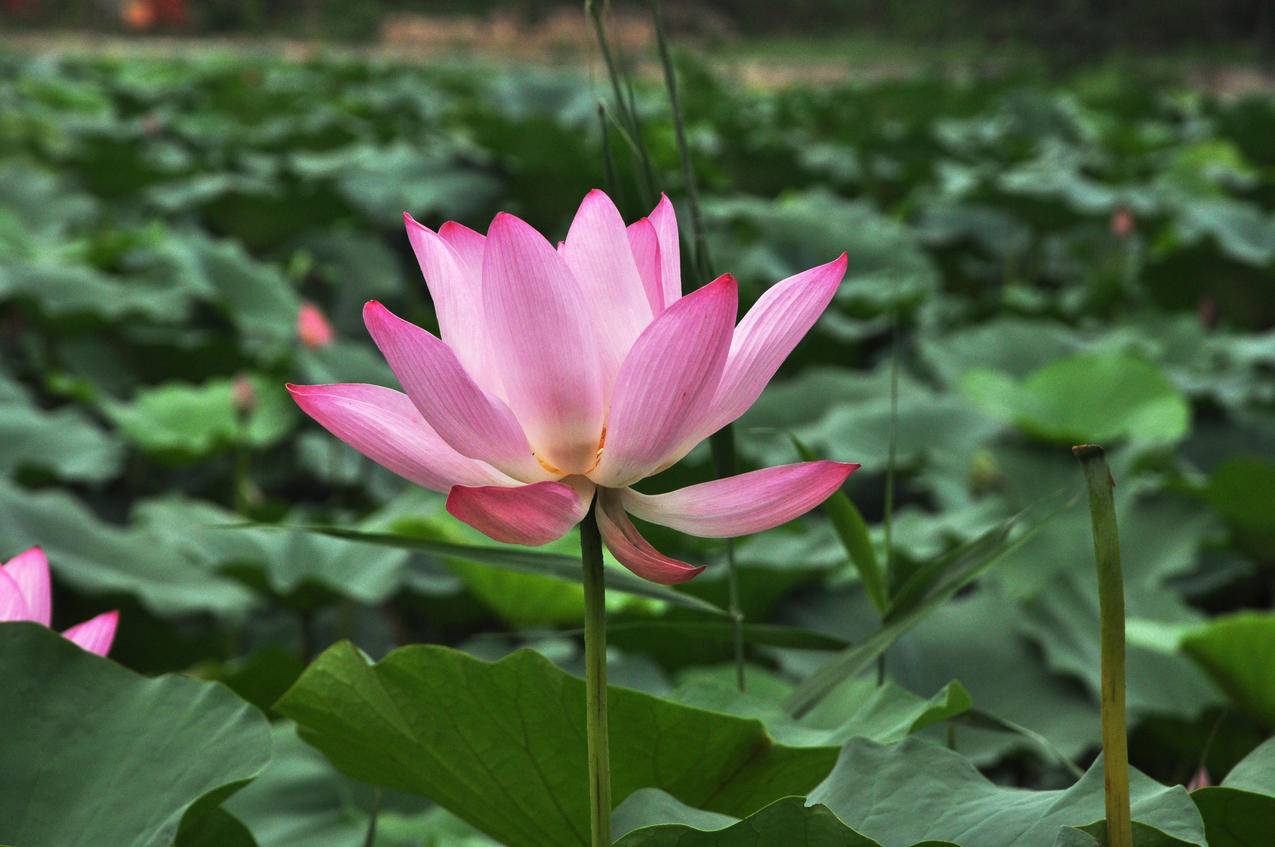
column 475, row 423
column 96, row 634
column 13, row 606
column 598, row 252
column 528, row 514
column 664, row 219
column 646, row 253
column 743, row 504
column 546, row 343
column 455, row 287
column 632, row 550
column 383, row 425
column 767, row 334
column 30, row 570
column 667, row 381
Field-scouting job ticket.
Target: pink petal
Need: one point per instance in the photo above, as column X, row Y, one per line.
column 664, row 219
column 30, row 571
column 475, row 423
column 468, row 246
column 95, row 635
column 666, row 384
column 454, row 280
column 383, row 425
column 546, row 343
column 632, row 550
column 529, row 514
column 646, row 253
column 597, row 251
column 767, row 334
column 13, row 606
column 743, row 504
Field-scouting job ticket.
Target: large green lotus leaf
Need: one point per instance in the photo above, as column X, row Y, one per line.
column 651, row 818
column 858, row 708
column 1241, row 811
column 1238, row 652
column 64, row 289
column 875, row 790
column 190, row 421
column 1242, row 230
column 1243, row 492
column 968, row 638
column 1101, row 397
column 1063, row 620
column 95, row 754
column 98, row 558
column 302, row 801
column 887, row 266
column 502, row 744
column 289, row 560
column 63, row 441
column 1011, row 345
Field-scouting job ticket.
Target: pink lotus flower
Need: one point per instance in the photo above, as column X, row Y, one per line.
column 566, row 373
column 312, row 326
column 25, row 595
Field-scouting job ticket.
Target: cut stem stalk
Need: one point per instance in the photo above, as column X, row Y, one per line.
column 595, row 660
column 1106, row 543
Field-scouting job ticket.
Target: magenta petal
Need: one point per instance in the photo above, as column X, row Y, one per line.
column 598, row 252
column 476, row 424
column 664, row 219
column 768, row 333
column 96, row 634
column 454, row 280
column 632, row 550
column 646, row 253
column 468, row 246
column 664, row 388
column 385, row 426
column 13, row 606
column 743, row 504
column 528, row 514
column 546, row 341
column 30, row 571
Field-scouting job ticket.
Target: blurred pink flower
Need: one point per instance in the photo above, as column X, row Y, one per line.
column 25, row 595
column 566, row 373
column 312, row 326
column 1122, row 222
column 1200, row 780
column 243, row 394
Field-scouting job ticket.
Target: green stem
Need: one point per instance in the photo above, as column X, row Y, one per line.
column 595, row 661
column 369, row 838
column 703, row 266
column 645, row 173
column 723, row 447
column 1106, row 544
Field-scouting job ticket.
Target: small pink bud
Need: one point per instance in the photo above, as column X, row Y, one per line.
column 312, row 327
column 243, row 395
column 1206, row 309
column 1200, row 780
column 1122, row 222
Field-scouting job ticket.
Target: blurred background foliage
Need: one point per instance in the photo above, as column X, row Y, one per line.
column 1045, row 256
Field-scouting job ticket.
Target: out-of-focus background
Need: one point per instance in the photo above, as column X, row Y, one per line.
column 1060, row 220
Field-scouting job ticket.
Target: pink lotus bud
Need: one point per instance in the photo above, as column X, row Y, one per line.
column 243, row 395
column 1122, row 222
column 312, row 327
column 26, row 595
column 1200, row 780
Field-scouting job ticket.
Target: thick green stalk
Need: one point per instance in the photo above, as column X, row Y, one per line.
column 595, row 677
column 1106, row 545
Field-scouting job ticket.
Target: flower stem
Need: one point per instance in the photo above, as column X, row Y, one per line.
column 1106, row 544
column 595, row 660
